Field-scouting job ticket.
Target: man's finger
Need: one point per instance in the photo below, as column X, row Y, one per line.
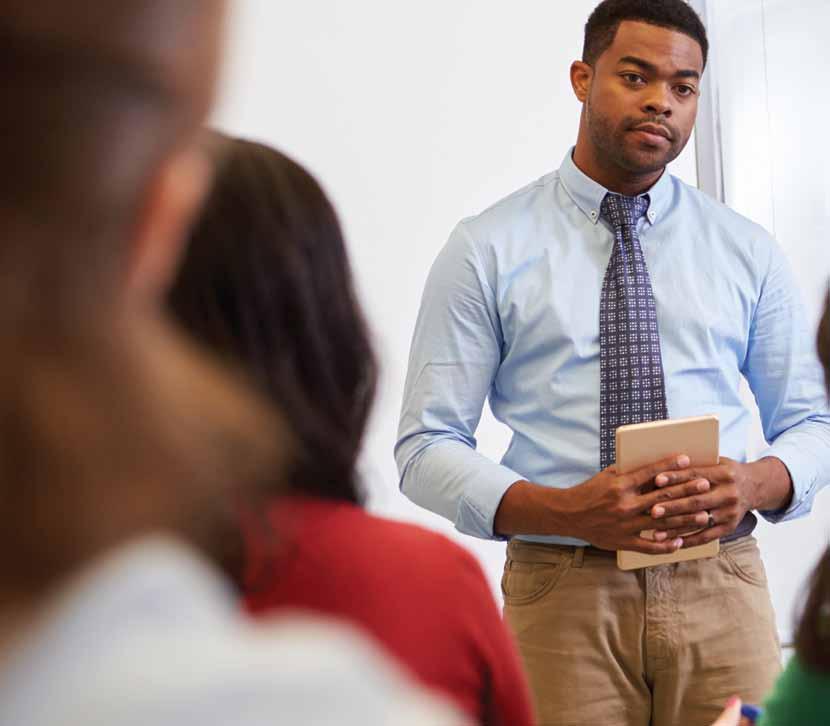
column 678, row 493
column 666, row 534
column 647, row 473
column 668, row 528
column 712, row 473
column 683, row 522
column 640, row 524
column 648, row 547
column 690, row 505
column 667, row 478
column 708, row 535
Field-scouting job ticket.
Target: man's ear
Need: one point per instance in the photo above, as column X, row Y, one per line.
column 582, row 75
column 173, row 200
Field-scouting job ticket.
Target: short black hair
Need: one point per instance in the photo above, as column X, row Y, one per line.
column 602, row 26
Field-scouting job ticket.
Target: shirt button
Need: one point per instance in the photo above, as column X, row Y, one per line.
column 593, row 214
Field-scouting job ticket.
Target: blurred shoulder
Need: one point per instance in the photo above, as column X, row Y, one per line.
column 288, row 669
column 423, row 544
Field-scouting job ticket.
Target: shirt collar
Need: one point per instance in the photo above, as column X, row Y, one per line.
column 588, row 194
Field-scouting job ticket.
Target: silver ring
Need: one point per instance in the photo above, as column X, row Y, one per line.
column 711, row 522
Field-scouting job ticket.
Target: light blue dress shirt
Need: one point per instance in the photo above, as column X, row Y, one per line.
column 511, row 311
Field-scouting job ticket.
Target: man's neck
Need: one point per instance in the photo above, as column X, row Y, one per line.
column 612, row 177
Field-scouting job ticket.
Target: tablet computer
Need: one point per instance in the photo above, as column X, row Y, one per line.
column 641, row 444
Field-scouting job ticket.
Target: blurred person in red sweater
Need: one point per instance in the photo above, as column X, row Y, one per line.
column 266, row 282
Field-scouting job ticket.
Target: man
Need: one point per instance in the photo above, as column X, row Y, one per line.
column 604, row 294
column 121, row 446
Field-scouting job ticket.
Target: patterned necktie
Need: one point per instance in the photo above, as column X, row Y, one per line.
column 632, row 389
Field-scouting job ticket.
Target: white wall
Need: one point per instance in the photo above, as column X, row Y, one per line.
column 412, row 115
column 769, row 68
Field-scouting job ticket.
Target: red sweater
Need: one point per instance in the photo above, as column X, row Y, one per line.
column 422, row 596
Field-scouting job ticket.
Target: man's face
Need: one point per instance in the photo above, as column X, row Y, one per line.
column 642, row 102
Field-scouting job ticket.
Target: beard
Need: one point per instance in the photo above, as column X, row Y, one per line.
column 616, row 146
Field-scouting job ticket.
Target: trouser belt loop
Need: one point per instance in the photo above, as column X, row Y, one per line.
column 579, row 556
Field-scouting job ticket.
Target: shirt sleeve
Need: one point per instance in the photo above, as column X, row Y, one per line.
column 455, row 356
column 784, row 374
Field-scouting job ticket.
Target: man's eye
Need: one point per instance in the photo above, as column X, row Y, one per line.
column 633, row 78
column 686, row 91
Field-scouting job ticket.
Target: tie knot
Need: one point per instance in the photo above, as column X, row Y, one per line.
column 623, row 211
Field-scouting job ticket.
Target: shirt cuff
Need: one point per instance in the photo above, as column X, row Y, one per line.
column 477, row 507
column 803, row 476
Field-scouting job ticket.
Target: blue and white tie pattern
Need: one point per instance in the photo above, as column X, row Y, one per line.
column 632, row 386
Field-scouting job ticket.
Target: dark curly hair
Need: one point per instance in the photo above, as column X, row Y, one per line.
column 266, row 282
column 602, row 26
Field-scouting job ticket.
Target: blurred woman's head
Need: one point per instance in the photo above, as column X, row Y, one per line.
column 266, row 282
column 107, row 409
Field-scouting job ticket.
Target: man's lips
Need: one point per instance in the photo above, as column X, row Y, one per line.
column 654, row 130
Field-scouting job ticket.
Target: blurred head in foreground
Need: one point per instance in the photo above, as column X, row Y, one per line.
column 113, row 426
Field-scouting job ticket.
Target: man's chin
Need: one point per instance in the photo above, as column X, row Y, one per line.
column 646, row 157
column 644, row 161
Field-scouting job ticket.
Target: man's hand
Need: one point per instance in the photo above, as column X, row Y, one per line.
column 735, row 489
column 610, row 510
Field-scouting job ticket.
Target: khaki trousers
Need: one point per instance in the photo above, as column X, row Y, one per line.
column 664, row 646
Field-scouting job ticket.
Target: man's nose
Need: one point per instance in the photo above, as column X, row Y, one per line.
column 658, row 102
